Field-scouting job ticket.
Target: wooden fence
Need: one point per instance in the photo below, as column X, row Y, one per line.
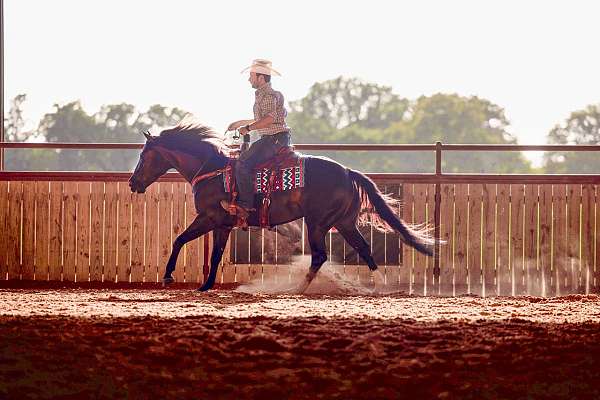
column 504, row 235
column 97, row 231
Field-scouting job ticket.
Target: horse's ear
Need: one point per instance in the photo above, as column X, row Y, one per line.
column 147, row 135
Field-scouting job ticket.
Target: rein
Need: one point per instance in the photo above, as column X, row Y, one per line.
column 212, row 174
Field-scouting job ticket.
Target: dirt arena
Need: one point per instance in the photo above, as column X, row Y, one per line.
column 67, row 342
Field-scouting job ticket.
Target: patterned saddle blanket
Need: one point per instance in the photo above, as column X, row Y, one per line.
column 283, row 172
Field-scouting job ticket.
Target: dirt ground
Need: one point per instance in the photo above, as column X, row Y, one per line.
column 65, row 342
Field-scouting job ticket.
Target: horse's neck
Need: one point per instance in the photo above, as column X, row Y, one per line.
column 188, row 165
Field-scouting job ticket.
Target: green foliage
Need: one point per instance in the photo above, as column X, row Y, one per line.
column 350, row 111
column 69, row 123
column 581, row 128
column 344, row 102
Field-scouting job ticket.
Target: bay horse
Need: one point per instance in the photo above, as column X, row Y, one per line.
column 333, row 196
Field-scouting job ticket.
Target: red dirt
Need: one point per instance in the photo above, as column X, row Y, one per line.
column 117, row 343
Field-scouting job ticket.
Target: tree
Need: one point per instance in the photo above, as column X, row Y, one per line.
column 115, row 123
column 451, row 118
column 351, row 111
column 582, row 128
column 344, row 102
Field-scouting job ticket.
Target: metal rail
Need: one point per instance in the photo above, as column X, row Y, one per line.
column 329, row 147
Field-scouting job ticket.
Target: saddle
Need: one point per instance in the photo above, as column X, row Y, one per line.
column 285, row 171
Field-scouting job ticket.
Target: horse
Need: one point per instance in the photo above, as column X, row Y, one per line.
column 333, row 196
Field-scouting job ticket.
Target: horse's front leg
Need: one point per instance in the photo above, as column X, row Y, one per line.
column 220, row 237
column 198, row 227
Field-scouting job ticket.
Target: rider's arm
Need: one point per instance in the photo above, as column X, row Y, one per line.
column 268, row 105
column 264, row 122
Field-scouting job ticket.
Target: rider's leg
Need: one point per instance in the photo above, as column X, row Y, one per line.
column 259, row 152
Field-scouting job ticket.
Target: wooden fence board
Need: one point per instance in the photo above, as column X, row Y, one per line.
column 28, row 234
column 588, row 200
column 165, row 196
column 111, row 229
column 573, row 232
column 461, row 223
column 503, row 276
column 350, row 255
column 178, row 226
column 474, row 254
column 488, row 247
column 367, row 234
column 256, row 246
column 530, row 239
column 14, row 230
column 545, row 239
column 338, row 249
column 559, row 240
column 242, row 273
column 255, row 271
column 3, row 228
column 420, row 217
column 242, row 253
column 55, row 231
column 595, row 281
column 378, row 238
column 96, row 228
column 193, row 263
column 228, row 275
column 152, row 269
column 447, row 236
column 408, row 260
column 392, row 239
column 83, row 232
column 124, row 233
column 392, row 274
column 42, row 229
column 517, row 208
column 138, row 230
column 69, row 230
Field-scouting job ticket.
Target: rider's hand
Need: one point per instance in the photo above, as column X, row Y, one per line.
column 243, row 130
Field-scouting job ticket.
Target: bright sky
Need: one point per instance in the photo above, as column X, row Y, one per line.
column 538, row 60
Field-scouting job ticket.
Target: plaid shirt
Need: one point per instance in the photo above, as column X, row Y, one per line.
column 270, row 102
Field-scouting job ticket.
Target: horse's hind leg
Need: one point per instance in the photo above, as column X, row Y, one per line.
column 198, row 227
column 220, row 237
column 352, row 235
column 316, row 239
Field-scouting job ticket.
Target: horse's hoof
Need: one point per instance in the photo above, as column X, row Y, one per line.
column 167, row 281
column 204, row 288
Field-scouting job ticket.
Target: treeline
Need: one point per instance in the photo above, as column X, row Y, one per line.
column 342, row 110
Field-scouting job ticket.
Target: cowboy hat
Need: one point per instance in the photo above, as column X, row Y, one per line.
column 261, row 66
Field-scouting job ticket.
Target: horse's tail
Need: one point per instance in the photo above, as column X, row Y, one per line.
column 383, row 217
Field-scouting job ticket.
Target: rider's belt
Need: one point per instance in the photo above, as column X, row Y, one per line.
column 282, row 138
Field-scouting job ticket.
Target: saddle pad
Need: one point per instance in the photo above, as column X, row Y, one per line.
column 286, row 178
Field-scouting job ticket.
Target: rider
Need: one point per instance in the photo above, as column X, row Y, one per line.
column 269, row 122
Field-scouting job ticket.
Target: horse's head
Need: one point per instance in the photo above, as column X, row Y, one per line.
column 151, row 166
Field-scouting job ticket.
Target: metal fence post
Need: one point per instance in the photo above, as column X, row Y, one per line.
column 437, row 212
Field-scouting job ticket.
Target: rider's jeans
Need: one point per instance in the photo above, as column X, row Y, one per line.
column 260, row 151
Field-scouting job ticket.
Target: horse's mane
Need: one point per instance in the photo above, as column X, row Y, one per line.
column 192, row 136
